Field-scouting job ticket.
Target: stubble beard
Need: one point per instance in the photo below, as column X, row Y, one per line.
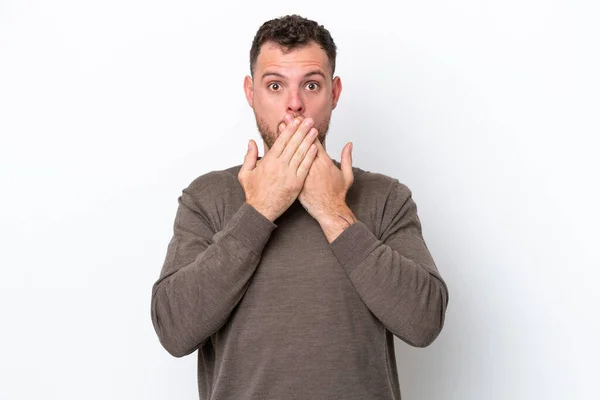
column 269, row 136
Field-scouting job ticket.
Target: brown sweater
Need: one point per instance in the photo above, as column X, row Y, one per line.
column 277, row 312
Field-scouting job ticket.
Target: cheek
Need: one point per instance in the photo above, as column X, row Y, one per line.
column 270, row 108
column 321, row 114
column 320, row 105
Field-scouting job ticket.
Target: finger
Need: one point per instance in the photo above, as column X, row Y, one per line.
column 288, row 118
column 321, row 152
column 283, row 139
column 250, row 158
column 303, row 148
column 347, row 164
column 295, row 141
column 304, row 167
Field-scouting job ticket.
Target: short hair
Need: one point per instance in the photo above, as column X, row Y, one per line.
column 292, row 32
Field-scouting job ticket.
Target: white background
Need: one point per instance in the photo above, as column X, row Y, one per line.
column 487, row 110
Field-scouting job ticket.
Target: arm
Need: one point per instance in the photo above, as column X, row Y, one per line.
column 395, row 275
column 205, row 274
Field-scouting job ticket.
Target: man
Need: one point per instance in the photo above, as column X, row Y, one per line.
column 291, row 273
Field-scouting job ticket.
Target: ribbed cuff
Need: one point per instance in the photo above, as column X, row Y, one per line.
column 251, row 228
column 353, row 245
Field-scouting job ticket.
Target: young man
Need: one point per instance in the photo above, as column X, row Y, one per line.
column 291, row 273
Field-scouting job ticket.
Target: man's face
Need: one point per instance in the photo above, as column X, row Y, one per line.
column 297, row 82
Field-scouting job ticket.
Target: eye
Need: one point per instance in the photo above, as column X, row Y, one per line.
column 312, row 86
column 274, row 86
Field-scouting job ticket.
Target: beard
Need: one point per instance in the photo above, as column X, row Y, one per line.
column 269, row 136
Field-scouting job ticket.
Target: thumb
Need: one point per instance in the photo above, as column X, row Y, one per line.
column 251, row 157
column 347, row 164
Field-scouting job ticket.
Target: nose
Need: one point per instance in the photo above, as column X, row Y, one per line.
column 295, row 104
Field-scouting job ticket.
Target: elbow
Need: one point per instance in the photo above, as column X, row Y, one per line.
column 418, row 333
column 425, row 329
column 166, row 337
column 171, row 339
column 426, row 337
column 432, row 322
column 177, row 351
column 174, row 337
column 173, row 349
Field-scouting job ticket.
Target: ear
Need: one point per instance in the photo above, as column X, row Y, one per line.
column 249, row 89
column 336, row 91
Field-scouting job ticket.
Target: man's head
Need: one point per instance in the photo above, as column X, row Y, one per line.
column 292, row 62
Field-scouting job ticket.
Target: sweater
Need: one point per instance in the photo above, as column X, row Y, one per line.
column 277, row 312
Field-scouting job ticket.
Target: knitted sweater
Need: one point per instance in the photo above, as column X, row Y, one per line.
column 277, row 312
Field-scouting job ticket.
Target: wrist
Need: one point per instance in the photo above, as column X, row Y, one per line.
column 263, row 210
column 336, row 220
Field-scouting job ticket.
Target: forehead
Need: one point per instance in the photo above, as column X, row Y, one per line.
column 272, row 56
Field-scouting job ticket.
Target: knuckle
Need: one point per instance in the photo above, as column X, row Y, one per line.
column 299, row 155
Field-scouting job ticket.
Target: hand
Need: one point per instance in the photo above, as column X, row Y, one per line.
column 273, row 184
column 326, row 186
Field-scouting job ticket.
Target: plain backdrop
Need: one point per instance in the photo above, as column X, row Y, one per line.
column 486, row 110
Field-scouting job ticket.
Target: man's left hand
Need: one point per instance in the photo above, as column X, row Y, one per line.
column 324, row 193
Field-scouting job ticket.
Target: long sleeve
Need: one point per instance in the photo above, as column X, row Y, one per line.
column 205, row 273
column 394, row 274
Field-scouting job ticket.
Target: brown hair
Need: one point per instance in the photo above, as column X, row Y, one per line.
column 291, row 32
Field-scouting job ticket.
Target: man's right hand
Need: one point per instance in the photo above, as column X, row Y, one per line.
column 273, row 184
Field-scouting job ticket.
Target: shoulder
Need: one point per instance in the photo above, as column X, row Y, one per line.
column 376, row 199
column 379, row 185
column 214, row 183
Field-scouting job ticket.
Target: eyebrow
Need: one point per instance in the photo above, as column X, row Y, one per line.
column 277, row 74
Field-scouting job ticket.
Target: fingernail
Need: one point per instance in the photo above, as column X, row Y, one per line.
column 308, row 121
column 296, row 121
column 249, row 145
